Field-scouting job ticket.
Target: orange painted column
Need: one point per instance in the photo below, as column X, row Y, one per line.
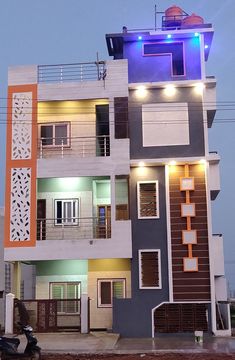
column 21, row 163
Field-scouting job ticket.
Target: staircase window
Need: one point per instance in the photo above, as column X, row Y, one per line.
column 149, row 269
column 148, row 202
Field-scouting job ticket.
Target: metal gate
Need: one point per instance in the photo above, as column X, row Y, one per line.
column 174, row 318
column 46, row 315
column 52, row 315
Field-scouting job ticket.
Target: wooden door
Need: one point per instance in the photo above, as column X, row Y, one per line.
column 41, row 219
column 104, row 222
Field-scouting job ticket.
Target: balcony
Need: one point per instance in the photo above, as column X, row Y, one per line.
column 93, row 146
column 73, row 228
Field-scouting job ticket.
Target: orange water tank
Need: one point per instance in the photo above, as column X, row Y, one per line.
column 192, row 20
column 174, row 12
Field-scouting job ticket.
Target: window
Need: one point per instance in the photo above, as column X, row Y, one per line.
column 55, row 134
column 148, row 202
column 68, row 293
column 66, row 212
column 149, row 269
column 108, row 289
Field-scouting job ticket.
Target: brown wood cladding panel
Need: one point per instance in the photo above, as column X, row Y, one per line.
column 193, row 285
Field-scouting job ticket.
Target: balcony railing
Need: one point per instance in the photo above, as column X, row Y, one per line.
column 73, row 228
column 88, row 71
column 74, row 147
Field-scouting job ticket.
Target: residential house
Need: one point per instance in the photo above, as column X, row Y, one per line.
column 110, row 180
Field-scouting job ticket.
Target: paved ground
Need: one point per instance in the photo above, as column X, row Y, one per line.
column 102, row 342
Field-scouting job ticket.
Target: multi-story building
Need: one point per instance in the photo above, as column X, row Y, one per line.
column 109, row 182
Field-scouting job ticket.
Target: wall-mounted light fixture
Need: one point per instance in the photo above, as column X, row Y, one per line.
column 170, row 90
column 199, row 87
column 141, row 91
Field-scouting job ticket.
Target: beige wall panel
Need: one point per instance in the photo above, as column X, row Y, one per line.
column 102, row 317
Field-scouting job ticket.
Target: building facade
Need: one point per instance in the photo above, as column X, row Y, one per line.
column 110, row 180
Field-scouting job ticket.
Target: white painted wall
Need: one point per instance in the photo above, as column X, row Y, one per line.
column 218, row 255
column 165, row 124
column 23, row 74
column 118, row 164
column 119, row 246
column 214, row 176
column 221, row 288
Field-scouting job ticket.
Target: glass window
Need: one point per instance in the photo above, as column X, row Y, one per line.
column 47, row 135
column 66, row 212
column 68, row 293
column 55, row 134
column 61, row 133
column 109, row 288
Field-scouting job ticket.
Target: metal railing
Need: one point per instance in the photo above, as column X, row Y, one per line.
column 73, row 228
column 74, row 146
column 88, row 71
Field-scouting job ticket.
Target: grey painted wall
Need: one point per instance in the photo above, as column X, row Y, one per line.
column 132, row 317
column 196, row 130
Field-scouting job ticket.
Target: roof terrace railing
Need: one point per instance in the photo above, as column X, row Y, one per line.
column 89, row 71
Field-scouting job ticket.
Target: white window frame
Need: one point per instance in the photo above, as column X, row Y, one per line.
column 159, row 270
column 63, row 216
column 113, row 280
column 54, row 124
column 157, row 197
column 64, row 285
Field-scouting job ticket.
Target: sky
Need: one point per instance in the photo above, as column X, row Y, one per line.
column 71, row 31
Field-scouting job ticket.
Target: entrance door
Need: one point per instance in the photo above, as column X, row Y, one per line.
column 41, row 219
column 104, row 222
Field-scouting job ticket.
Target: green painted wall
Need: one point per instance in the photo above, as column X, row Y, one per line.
column 67, row 184
column 61, row 267
column 103, row 190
